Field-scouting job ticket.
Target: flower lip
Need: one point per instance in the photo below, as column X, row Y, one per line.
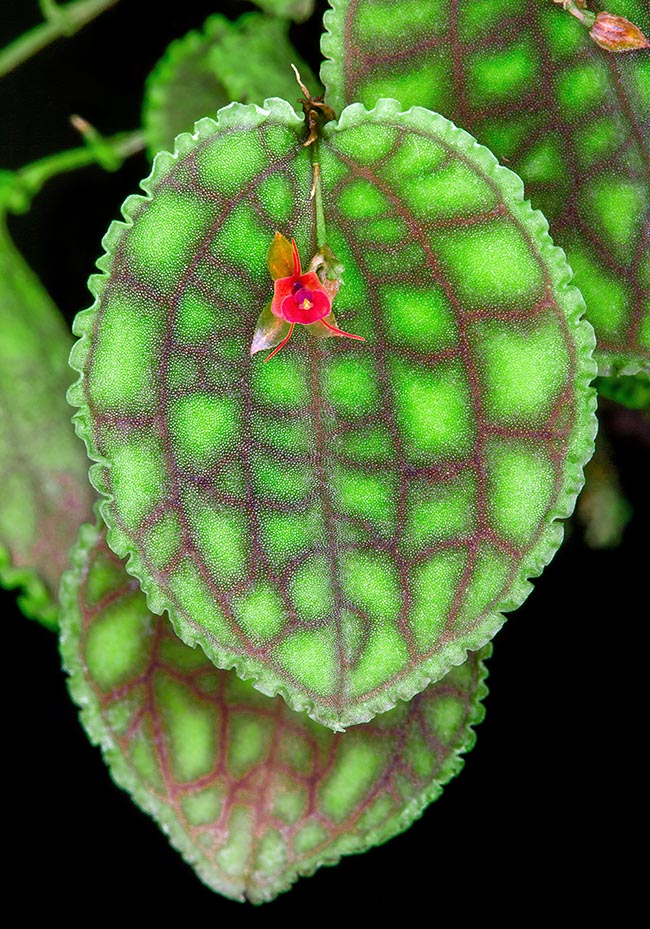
column 306, row 306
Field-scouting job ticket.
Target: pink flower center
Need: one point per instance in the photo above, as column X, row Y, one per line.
column 304, row 298
column 304, row 305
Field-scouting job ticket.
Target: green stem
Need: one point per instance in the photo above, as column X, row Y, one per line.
column 22, row 185
column 60, row 21
column 577, row 9
column 317, row 193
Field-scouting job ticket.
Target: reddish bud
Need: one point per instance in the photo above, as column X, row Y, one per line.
column 616, row 34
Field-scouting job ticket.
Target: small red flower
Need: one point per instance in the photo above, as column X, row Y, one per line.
column 300, row 298
column 297, row 298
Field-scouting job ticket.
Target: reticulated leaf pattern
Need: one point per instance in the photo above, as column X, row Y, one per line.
column 571, row 119
column 252, row 794
column 344, row 522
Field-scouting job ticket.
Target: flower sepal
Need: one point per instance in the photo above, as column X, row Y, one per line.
column 270, row 330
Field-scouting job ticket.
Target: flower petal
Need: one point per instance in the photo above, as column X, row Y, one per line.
column 306, row 306
column 269, row 331
column 279, row 257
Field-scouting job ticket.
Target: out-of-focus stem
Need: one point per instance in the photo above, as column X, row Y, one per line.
column 60, row 21
column 577, row 8
column 22, row 185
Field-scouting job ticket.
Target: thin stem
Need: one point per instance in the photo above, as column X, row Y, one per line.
column 108, row 152
column 577, row 8
column 315, row 111
column 122, row 145
column 60, row 21
column 317, row 194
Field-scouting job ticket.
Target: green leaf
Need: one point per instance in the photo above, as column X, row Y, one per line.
column 299, row 10
column 254, row 61
column 342, row 523
column 247, row 60
column 633, row 392
column 570, row 118
column 183, row 87
column 250, row 793
column 45, row 491
column 602, row 508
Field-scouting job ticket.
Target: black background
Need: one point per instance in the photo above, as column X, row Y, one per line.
column 540, row 821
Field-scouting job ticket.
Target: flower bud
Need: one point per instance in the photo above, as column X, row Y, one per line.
column 616, row 34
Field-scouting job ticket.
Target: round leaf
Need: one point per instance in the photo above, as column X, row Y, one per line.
column 573, row 120
column 344, row 522
column 250, row 793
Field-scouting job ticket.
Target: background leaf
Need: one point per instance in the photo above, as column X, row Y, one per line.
column 288, row 9
column 602, row 508
column 46, row 495
column 571, row 119
column 630, row 391
column 252, row 794
column 344, row 522
column 246, row 60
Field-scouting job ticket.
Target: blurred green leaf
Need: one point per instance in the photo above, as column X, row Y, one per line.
column 46, row 495
column 632, row 391
column 602, row 507
column 246, row 60
column 287, row 9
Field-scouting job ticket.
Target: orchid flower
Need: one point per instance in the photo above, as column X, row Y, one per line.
column 297, row 298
